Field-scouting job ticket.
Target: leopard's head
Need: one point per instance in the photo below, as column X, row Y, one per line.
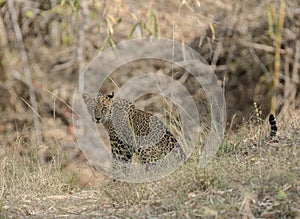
column 99, row 106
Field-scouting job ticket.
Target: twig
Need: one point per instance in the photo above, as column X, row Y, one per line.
column 263, row 47
column 55, row 28
column 259, row 62
column 295, row 74
column 216, row 54
column 26, row 68
column 33, row 110
column 65, row 65
column 80, row 45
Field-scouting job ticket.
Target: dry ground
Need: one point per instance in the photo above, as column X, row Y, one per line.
column 250, row 177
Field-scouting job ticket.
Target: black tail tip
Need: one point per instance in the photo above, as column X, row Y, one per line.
column 271, row 118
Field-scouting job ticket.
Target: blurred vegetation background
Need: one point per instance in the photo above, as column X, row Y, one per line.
column 254, row 47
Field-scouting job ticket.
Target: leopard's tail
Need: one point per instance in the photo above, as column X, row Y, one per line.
column 273, row 124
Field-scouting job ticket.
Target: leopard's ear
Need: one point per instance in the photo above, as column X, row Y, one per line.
column 111, row 95
column 86, row 97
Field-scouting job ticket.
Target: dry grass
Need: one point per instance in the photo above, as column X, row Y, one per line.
column 249, row 176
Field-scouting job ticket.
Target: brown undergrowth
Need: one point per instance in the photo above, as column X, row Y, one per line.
column 251, row 176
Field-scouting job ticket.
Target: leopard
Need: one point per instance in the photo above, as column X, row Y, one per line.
column 132, row 131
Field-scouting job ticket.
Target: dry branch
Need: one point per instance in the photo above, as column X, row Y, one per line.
column 81, row 40
column 295, row 75
column 26, row 68
column 264, row 47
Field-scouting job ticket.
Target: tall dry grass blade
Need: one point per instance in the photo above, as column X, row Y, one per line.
column 137, row 29
column 277, row 55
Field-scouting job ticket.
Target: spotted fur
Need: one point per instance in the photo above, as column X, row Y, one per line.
column 131, row 130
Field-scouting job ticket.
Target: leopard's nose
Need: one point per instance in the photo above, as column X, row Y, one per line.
column 97, row 120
